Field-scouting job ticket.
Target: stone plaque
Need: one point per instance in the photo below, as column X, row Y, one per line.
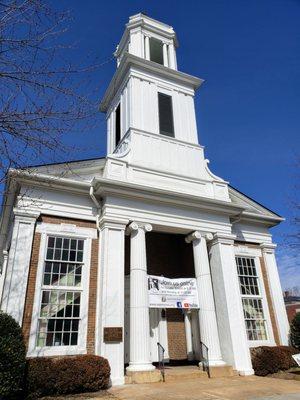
column 113, row 334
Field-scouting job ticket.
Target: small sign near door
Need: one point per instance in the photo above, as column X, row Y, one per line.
column 113, row 334
column 172, row 293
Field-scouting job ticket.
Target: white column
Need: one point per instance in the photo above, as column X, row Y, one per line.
column 207, row 312
column 230, row 316
column 16, row 277
column 172, row 57
column 140, row 359
column 110, row 295
column 147, row 48
column 188, row 335
column 268, row 250
column 165, row 55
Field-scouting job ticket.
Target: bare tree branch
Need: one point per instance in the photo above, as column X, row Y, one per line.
column 43, row 96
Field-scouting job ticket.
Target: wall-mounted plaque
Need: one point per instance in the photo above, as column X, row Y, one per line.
column 113, row 334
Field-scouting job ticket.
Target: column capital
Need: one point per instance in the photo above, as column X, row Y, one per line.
column 135, row 226
column 268, row 247
column 197, row 235
column 112, row 223
column 223, row 238
column 26, row 215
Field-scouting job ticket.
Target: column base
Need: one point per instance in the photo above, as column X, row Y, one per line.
column 140, row 367
column 246, row 372
column 217, row 363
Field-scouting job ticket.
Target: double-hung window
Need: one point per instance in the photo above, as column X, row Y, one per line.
column 251, row 298
column 59, row 316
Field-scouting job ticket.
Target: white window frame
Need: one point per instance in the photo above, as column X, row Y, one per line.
column 73, row 232
column 256, row 254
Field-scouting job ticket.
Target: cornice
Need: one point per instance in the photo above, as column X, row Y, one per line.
column 149, row 24
column 129, row 60
column 261, row 219
column 105, row 187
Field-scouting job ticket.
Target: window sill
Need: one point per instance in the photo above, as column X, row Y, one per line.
column 56, row 351
column 257, row 343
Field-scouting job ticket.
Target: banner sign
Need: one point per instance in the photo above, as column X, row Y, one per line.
column 172, row 293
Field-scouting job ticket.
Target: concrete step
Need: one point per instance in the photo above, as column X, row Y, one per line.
column 173, row 374
column 184, row 372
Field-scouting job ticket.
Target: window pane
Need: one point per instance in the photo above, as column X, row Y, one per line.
column 165, row 115
column 254, row 319
column 156, row 51
column 54, row 329
column 64, row 249
column 62, row 274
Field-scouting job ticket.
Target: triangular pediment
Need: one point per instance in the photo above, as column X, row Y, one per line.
column 250, row 205
column 83, row 170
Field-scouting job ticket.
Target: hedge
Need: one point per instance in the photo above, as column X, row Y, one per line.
column 270, row 359
column 67, row 375
column 12, row 358
column 295, row 331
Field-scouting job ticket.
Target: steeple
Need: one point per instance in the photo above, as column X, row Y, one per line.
column 151, row 121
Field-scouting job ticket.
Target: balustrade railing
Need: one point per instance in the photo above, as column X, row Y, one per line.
column 161, row 360
column 204, row 358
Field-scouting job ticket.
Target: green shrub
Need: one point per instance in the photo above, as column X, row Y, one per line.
column 66, row 375
column 295, row 331
column 12, row 358
column 268, row 360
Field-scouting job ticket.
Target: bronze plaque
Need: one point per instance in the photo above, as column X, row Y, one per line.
column 113, row 334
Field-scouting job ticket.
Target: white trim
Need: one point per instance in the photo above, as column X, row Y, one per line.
column 66, row 229
column 86, row 234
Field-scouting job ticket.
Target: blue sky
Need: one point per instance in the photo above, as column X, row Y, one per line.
column 248, row 53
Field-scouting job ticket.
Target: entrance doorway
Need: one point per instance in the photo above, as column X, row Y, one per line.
column 176, row 330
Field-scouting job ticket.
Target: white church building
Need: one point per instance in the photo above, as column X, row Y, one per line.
column 79, row 240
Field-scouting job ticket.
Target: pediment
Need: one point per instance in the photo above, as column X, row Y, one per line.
column 251, row 206
column 84, row 170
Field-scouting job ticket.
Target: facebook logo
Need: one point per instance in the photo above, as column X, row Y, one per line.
column 179, row 304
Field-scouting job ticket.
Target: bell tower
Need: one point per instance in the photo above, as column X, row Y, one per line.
column 151, row 123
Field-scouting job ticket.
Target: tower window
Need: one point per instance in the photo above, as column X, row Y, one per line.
column 165, row 110
column 118, row 125
column 156, row 51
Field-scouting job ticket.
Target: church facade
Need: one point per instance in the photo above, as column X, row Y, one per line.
column 79, row 240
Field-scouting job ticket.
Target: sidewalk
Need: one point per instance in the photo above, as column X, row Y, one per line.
column 233, row 388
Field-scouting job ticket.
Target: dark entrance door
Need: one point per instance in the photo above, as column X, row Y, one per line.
column 176, row 335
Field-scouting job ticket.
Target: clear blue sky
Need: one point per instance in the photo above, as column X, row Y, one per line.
column 248, row 109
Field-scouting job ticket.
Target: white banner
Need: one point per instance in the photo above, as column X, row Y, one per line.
column 172, row 293
column 296, row 357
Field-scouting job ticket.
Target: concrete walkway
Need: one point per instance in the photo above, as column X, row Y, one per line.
column 233, row 388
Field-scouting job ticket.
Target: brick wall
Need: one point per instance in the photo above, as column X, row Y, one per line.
column 93, row 280
column 31, row 287
column 267, row 289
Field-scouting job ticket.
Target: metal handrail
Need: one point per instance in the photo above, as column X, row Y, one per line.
column 204, row 358
column 161, row 360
